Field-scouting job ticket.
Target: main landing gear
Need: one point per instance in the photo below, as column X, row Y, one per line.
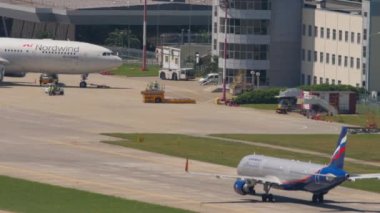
column 267, row 197
column 318, row 198
column 83, row 83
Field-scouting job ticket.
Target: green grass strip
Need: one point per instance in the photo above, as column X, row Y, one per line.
column 362, row 147
column 134, row 70
column 18, row 195
column 261, row 106
column 226, row 153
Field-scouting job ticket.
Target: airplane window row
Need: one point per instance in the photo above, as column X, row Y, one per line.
column 58, row 53
column 15, row 51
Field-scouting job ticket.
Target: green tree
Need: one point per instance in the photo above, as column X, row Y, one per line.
column 122, row 38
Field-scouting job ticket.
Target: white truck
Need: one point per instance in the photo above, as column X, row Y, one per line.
column 177, row 74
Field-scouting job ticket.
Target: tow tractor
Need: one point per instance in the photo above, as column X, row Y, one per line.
column 155, row 93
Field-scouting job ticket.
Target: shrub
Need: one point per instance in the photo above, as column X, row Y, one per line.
column 260, row 96
column 329, row 87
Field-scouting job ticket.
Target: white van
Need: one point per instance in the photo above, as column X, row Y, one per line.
column 211, row 78
column 181, row 74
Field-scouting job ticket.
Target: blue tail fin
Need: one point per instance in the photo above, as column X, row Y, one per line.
column 337, row 159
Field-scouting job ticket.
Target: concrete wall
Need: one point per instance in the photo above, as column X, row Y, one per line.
column 285, row 42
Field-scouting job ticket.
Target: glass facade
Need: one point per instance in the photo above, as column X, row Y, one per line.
column 251, row 4
column 245, row 51
column 245, row 26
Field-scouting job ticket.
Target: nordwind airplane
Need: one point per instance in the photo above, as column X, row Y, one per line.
column 291, row 175
column 20, row 56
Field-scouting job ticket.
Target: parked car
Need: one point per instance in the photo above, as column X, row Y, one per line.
column 211, row 78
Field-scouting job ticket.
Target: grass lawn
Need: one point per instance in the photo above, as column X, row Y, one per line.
column 363, row 147
column 18, row 195
column 134, row 70
column 357, row 119
column 261, row 106
column 224, row 153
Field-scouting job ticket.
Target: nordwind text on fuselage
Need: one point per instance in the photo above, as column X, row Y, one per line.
column 56, row 48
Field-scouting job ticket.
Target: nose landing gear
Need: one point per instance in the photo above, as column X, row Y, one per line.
column 83, row 83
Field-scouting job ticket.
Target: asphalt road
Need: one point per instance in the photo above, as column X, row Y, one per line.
column 56, row 140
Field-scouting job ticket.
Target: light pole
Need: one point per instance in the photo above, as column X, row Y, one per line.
column 225, row 4
column 143, row 68
column 253, row 79
column 258, row 79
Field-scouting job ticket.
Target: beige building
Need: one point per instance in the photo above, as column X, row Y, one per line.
column 332, row 46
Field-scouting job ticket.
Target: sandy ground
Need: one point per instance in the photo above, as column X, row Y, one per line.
column 56, row 140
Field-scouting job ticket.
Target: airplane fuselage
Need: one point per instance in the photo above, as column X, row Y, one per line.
column 53, row 56
column 291, row 174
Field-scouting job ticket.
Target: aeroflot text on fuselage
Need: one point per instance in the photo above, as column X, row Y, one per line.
column 57, row 48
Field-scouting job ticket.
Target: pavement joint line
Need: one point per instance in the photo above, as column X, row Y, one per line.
column 303, row 151
column 117, row 188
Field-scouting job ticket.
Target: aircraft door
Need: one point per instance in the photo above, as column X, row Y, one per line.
column 2, row 72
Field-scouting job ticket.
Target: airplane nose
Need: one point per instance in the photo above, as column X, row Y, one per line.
column 118, row 61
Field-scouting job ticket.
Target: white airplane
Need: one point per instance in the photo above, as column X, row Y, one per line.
column 20, row 56
column 291, row 175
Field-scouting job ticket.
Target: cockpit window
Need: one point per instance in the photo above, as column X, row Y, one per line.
column 109, row 53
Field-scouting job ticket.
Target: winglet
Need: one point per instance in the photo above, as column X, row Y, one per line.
column 187, row 165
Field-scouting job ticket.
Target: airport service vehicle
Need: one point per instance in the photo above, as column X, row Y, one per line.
column 292, row 175
column 155, row 93
column 177, row 74
column 48, row 78
column 54, row 89
column 209, row 79
column 20, row 56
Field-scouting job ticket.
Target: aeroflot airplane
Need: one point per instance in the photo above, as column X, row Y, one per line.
column 20, row 56
column 292, row 175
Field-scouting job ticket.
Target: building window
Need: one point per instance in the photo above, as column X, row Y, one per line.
column 308, row 80
column 363, row 84
column 339, row 82
column 339, row 60
column 251, row 5
column 345, row 61
column 346, row 36
column 308, row 55
column 245, row 51
column 310, row 32
column 358, row 38
column 315, row 56
column 302, row 78
column 333, row 82
column 352, row 62
column 327, row 58
column 320, row 80
column 321, row 57
column 333, row 59
column 215, row 27
column 352, row 37
column 340, row 35
column 364, row 34
column 215, row 44
column 303, row 29
column 216, row 11
column 316, row 31
column 245, row 26
column 364, row 68
column 328, row 33
column 315, row 80
column 327, row 81
column 334, row 34
column 357, row 63
column 303, row 54
column 322, row 32
column 364, row 51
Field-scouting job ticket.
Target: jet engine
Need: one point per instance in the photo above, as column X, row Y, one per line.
column 242, row 187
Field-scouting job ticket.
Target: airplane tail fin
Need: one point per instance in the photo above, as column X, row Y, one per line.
column 337, row 159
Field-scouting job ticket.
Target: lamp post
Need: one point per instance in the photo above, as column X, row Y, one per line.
column 253, row 79
column 258, row 79
column 143, row 68
column 225, row 5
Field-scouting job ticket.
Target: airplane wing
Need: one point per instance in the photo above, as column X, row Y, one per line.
column 364, row 176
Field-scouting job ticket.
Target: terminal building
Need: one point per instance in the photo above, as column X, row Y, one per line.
column 340, row 43
column 297, row 42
